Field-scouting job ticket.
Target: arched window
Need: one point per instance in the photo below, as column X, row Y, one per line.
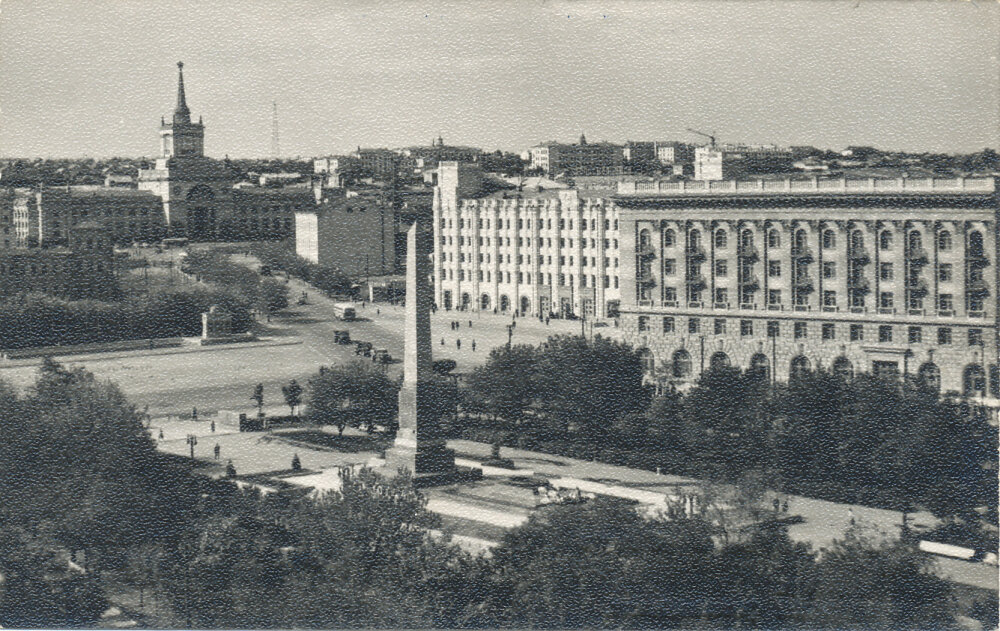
column 760, row 366
column 694, row 239
column 829, row 239
column 669, row 238
column 915, row 240
column 799, row 367
column 646, row 359
column 975, row 243
column 974, row 381
column 885, row 240
column 944, row 241
column 681, row 363
column 843, row 367
column 800, row 239
column 746, row 238
column 644, row 241
column 719, row 360
column 720, row 238
column 484, row 302
column 857, row 240
column 773, row 239
column 930, row 374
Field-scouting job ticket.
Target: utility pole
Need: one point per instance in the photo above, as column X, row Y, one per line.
column 275, row 146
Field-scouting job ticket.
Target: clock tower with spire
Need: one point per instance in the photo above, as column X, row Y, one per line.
column 180, row 138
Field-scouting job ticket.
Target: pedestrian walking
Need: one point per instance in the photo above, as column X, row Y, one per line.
column 378, row 311
column 470, row 324
column 161, row 433
column 850, row 511
column 442, row 341
column 473, row 346
column 217, row 450
column 213, row 426
column 230, row 470
column 194, row 414
column 458, row 343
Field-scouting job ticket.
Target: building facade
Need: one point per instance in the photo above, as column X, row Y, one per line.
column 729, row 162
column 891, row 276
column 82, row 268
column 583, row 158
column 352, row 233
column 537, row 253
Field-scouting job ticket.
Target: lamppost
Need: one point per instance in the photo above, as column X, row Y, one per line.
column 510, row 334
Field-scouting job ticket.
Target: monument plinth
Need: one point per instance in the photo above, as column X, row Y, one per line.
column 420, row 441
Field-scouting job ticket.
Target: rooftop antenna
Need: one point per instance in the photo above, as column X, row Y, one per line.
column 275, row 146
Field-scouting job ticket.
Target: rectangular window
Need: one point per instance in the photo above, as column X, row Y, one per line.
column 975, row 337
column 829, row 299
column 773, row 328
column 774, row 268
column 885, row 271
column 944, row 336
column 829, row 331
column 643, row 323
column 774, row 296
column 914, row 335
column 885, row 300
column 829, row 269
column 694, row 325
column 944, row 272
column 668, row 325
column 721, row 296
column 670, row 294
column 746, row 328
column 857, row 333
column 721, row 268
column 669, row 267
column 800, row 330
column 945, row 302
column 885, row 333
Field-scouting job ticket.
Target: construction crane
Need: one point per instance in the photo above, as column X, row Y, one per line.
column 710, row 137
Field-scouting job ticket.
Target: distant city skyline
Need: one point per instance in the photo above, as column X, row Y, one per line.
column 93, row 79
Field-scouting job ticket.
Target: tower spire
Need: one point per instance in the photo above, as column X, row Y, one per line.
column 181, row 114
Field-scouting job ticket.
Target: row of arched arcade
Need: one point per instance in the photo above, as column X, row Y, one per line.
column 681, row 367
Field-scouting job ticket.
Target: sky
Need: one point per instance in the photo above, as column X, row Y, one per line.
column 93, row 78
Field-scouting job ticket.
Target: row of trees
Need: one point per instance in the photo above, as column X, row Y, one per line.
column 282, row 256
column 266, row 294
column 31, row 320
column 361, row 557
column 859, row 439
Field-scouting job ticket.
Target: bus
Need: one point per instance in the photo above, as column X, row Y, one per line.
column 344, row 311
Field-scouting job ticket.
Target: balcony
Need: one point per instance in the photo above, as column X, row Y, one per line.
column 720, row 305
column 916, row 286
column 696, row 281
column 887, row 310
column 747, row 252
column 830, row 308
column 858, row 284
column 917, row 256
column 775, row 307
column 802, row 253
column 946, row 313
column 860, row 255
column 750, row 282
column 748, row 306
column 803, row 308
column 695, row 253
column 978, row 287
column 672, row 304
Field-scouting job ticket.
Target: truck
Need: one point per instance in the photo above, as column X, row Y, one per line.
column 344, row 311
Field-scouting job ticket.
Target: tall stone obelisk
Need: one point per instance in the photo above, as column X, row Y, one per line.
column 420, row 441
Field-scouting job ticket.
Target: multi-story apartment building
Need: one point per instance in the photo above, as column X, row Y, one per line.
column 536, row 252
column 583, row 158
column 883, row 275
column 728, row 162
column 353, row 233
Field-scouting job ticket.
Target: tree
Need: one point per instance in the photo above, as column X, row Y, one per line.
column 507, row 383
column 586, row 386
column 293, row 395
column 272, row 295
column 258, row 397
column 355, row 394
column 867, row 581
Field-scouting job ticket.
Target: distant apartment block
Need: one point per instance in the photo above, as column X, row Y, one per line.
column 582, row 158
column 349, row 232
column 726, row 162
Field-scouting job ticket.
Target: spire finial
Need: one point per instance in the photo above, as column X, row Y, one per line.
column 181, row 114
